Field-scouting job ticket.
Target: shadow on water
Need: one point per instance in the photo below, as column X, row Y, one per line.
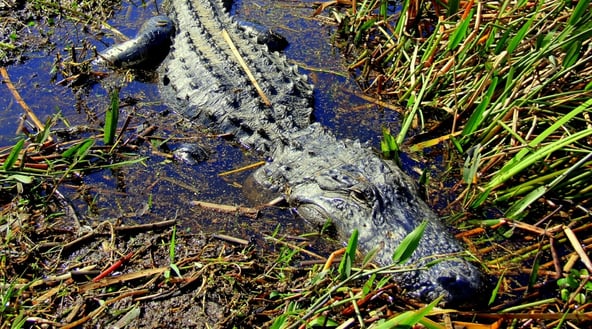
column 160, row 188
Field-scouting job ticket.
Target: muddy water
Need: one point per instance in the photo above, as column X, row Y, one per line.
column 159, row 188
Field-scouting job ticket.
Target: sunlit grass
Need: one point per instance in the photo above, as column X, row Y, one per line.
column 504, row 90
column 513, row 76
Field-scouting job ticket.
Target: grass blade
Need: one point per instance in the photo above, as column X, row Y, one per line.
column 14, row 154
column 578, row 12
column 388, row 144
column 460, row 32
column 517, row 166
column 478, row 116
column 544, row 135
column 573, row 53
column 519, row 207
column 519, row 37
column 409, row 318
column 111, row 118
column 347, row 261
column 409, row 244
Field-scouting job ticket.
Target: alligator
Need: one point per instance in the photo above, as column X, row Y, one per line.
column 205, row 78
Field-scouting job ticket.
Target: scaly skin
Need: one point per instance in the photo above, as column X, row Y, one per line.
column 146, row 50
column 322, row 178
column 209, row 85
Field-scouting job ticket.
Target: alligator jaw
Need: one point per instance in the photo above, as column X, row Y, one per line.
column 348, row 184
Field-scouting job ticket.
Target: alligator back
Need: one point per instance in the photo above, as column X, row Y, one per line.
column 204, row 79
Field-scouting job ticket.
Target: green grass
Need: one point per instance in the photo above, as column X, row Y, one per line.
column 504, row 91
column 512, row 77
column 319, row 305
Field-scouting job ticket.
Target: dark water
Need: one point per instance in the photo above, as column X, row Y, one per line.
column 161, row 189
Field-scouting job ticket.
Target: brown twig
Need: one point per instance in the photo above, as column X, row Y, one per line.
column 20, row 100
column 245, row 211
column 244, row 168
column 245, row 68
column 115, row 266
column 230, row 239
column 146, row 227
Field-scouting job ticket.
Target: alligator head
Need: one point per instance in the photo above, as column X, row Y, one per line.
column 353, row 188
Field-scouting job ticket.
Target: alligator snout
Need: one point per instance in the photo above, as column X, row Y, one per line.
column 460, row 283
column 461, row 289
column 356, row 190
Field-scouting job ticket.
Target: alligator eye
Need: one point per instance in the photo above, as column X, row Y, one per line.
column 363, row 192
column 358, row 195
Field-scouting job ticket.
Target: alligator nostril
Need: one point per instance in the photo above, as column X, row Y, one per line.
column 447, row 281
column 464, row 290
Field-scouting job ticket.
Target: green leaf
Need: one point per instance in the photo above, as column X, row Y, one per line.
column 347, row 261
column 371, row 254
column 514, row 167
column 172, row 244
column 565, row 295
column 460, row 32
column 82, row 151
column 456, row 144
column 367, row 288
column 111, row 118
column 523, row 159
column 14, row 154
column 453, row 6
column 472, row 165
column 517, row 208
column 79, row 150
column 44, row 134
column 578, row 12
column 409, row 318
column 280, row 321
column 499, row 44
column 409, row 244
column 363, row 29
column 384, row 9
column 322, row 322
column 534, row 273
column 388, row 144
column 573, row 54
column 496, row 289
column 21, row 178
column 580, row 298
column 402, row 20
column 519, row 37
column 478, row 115
column 175, row 269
